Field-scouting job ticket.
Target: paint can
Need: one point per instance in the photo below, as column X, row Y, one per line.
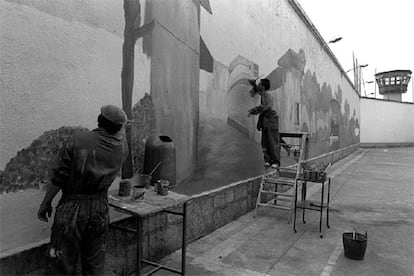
column 162, row 187
column 138, row 193
column 144, row 180
column 311, row 175
column 124, row 188
column 321, row 176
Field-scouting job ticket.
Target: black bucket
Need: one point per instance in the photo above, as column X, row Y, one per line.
column 355, row 245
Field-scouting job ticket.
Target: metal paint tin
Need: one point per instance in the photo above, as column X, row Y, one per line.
column 162, row 187
column 124, row 188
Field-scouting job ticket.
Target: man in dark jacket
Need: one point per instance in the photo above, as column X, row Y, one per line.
column 87, row 166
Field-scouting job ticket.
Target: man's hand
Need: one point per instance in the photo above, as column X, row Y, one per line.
column 256, row 110
column 45, row 212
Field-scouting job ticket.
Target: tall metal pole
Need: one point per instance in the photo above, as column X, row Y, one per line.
column 375, row 85
column 354, row 67
column 412, row 89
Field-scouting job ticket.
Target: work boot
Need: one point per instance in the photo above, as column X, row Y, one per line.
column 275, row 166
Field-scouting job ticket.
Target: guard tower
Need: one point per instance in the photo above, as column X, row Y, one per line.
column 392, row 84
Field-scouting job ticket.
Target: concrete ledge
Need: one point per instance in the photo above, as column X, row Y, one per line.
column 24, row 259
column 386, row 145
column 207, row 212
column 323, row 160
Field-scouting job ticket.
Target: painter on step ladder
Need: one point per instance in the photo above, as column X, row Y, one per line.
column 87, row 166
column 268, row 122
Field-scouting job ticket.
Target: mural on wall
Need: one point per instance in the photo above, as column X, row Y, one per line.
column 30, row 167
column 239, row 99
column 133, row 31
column 324, row 106
column 302, row 102
column 335, row 112
column 143, row 125
column 63, row 61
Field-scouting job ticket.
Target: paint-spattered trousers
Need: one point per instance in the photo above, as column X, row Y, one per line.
column 271, row 146
column 79, row 237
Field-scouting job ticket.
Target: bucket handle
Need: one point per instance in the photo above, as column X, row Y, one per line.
column 354, row 233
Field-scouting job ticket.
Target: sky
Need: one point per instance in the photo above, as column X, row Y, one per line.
column 378, row 32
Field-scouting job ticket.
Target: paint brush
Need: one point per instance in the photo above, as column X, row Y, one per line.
column 153, row 170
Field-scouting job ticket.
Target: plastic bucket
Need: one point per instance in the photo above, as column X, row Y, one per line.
column 355, row 245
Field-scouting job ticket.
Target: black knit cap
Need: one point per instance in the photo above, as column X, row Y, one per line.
column 265, row 83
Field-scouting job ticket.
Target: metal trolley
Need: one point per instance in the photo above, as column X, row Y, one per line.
column 318, row 177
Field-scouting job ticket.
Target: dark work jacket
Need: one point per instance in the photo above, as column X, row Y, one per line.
column 268, row 120
column 90, row 162
column 88, row 165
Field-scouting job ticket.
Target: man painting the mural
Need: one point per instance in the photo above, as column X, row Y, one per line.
column 87, row 166
column 268, row 123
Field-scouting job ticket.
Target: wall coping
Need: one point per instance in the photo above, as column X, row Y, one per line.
column 226, row 187
column 385, row 100
column 387, row 145
column 300, row 11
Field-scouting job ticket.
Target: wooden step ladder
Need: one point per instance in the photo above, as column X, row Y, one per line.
column 280, row 185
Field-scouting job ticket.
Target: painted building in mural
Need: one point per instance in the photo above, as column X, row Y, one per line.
column 62, row 60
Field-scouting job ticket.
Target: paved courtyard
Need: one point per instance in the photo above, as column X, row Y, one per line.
column 372, row 190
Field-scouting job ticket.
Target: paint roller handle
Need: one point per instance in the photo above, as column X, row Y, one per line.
column 253, row 81
column 156, row 167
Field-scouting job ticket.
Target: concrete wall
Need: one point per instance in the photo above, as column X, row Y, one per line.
column 162, row 232
column 386, row 122
column 275, row 39
column 62, row 60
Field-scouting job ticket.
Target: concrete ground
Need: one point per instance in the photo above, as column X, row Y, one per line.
column 372, row 190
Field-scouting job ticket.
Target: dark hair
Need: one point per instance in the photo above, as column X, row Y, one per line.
column 108, row 125
column 265, row 83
